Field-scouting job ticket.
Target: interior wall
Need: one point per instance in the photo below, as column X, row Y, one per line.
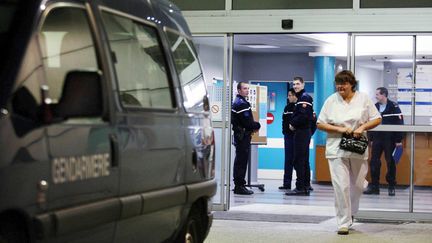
column 272, row 66
column 369, row 80
column 211, row 58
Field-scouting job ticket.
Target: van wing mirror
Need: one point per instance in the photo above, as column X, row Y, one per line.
column 81, row 95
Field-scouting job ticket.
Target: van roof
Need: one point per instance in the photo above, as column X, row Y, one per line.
column 166, row 13
column 20, row 16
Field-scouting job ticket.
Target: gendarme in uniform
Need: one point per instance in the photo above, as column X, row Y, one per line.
column 243, row 125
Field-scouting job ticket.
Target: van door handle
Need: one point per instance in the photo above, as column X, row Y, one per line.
column 114, row 150
column 194, row 160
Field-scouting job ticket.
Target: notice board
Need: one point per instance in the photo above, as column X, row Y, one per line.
column 258, row 100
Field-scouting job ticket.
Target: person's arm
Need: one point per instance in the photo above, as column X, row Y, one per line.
column 248, row 122
column 399, row 135
column 373, row 117
column 332, row 128
column 367, row 126
column 301, row 111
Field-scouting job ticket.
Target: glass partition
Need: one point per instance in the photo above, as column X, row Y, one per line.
column 423, row 86
column 384, row 70
column 423, row 173
column 395, row 4
column 200, row 5
column 212, row 54
column 282, row 4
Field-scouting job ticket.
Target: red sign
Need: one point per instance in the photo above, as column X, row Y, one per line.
column 270, row 118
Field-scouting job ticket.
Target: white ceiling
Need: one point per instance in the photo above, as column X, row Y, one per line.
column 369, row 49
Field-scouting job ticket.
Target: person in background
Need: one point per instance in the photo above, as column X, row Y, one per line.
column 288, row 140
column 385, row 142
column 243, row 125
column 301, row 126
column 351, row 112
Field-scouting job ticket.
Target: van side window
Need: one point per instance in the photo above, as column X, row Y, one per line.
column 67, row 45
column 189, row 71
column 140, row 63
column 26, row 101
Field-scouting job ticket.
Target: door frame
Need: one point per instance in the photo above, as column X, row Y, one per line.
column 225, row 124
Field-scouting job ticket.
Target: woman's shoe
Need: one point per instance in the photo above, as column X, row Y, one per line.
column 343, row 230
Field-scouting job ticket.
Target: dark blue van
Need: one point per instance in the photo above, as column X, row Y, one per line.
column 105, row 130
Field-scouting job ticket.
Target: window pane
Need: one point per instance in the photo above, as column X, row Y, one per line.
column 66, row 44
column 395, row 4
column 422, row 172
column 140, row 63
column 386, row 173
column 189, row 71
column 423, row 87
column 200, row 5
column 292, row 4
column 386, row 62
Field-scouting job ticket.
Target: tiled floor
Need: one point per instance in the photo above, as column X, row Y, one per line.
column 270, row 216
column 322, row 196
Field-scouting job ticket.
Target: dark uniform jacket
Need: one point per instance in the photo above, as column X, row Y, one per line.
column 303, row 116
column 286, row 118
column 391, row 115
column 242, row 120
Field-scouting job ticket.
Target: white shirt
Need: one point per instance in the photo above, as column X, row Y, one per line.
column 336, row 111
column 382, row 107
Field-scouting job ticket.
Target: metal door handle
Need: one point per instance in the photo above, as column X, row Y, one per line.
column 114, row 150
column 194, row 160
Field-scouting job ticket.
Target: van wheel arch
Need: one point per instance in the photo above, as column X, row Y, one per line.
column 15, row 227
column 195, row 227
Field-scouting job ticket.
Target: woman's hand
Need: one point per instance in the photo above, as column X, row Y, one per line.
column 346, row 130
column 358, row 132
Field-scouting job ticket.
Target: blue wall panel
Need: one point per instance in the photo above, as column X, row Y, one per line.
column 271, row 158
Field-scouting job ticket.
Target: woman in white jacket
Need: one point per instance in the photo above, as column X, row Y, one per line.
column 351, row 112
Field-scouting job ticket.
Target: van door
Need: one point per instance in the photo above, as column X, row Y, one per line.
column 151, row 138
column 84, row 179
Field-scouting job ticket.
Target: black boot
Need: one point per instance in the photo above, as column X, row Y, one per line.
column 391, row 191
column 297, row 192
column 372, row 190
column 242, row 190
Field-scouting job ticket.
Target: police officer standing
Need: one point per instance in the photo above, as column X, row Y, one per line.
column 301, row 125
column 385, row 142
column 288, row 139
column 243, row 126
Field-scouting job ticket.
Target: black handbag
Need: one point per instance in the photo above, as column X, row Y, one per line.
column 353, row 144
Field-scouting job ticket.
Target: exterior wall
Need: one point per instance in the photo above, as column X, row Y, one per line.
column 304, row 21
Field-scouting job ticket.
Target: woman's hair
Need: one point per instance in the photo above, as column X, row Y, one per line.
column 346, row 76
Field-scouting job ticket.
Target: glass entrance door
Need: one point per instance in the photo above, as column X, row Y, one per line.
column 396, row 72
column 214, row 53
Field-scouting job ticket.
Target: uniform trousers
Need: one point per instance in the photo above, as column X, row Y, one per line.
column 378, row 147
column 241, row 160
column 348, row 176
column 301, row 158
column 289, row 156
